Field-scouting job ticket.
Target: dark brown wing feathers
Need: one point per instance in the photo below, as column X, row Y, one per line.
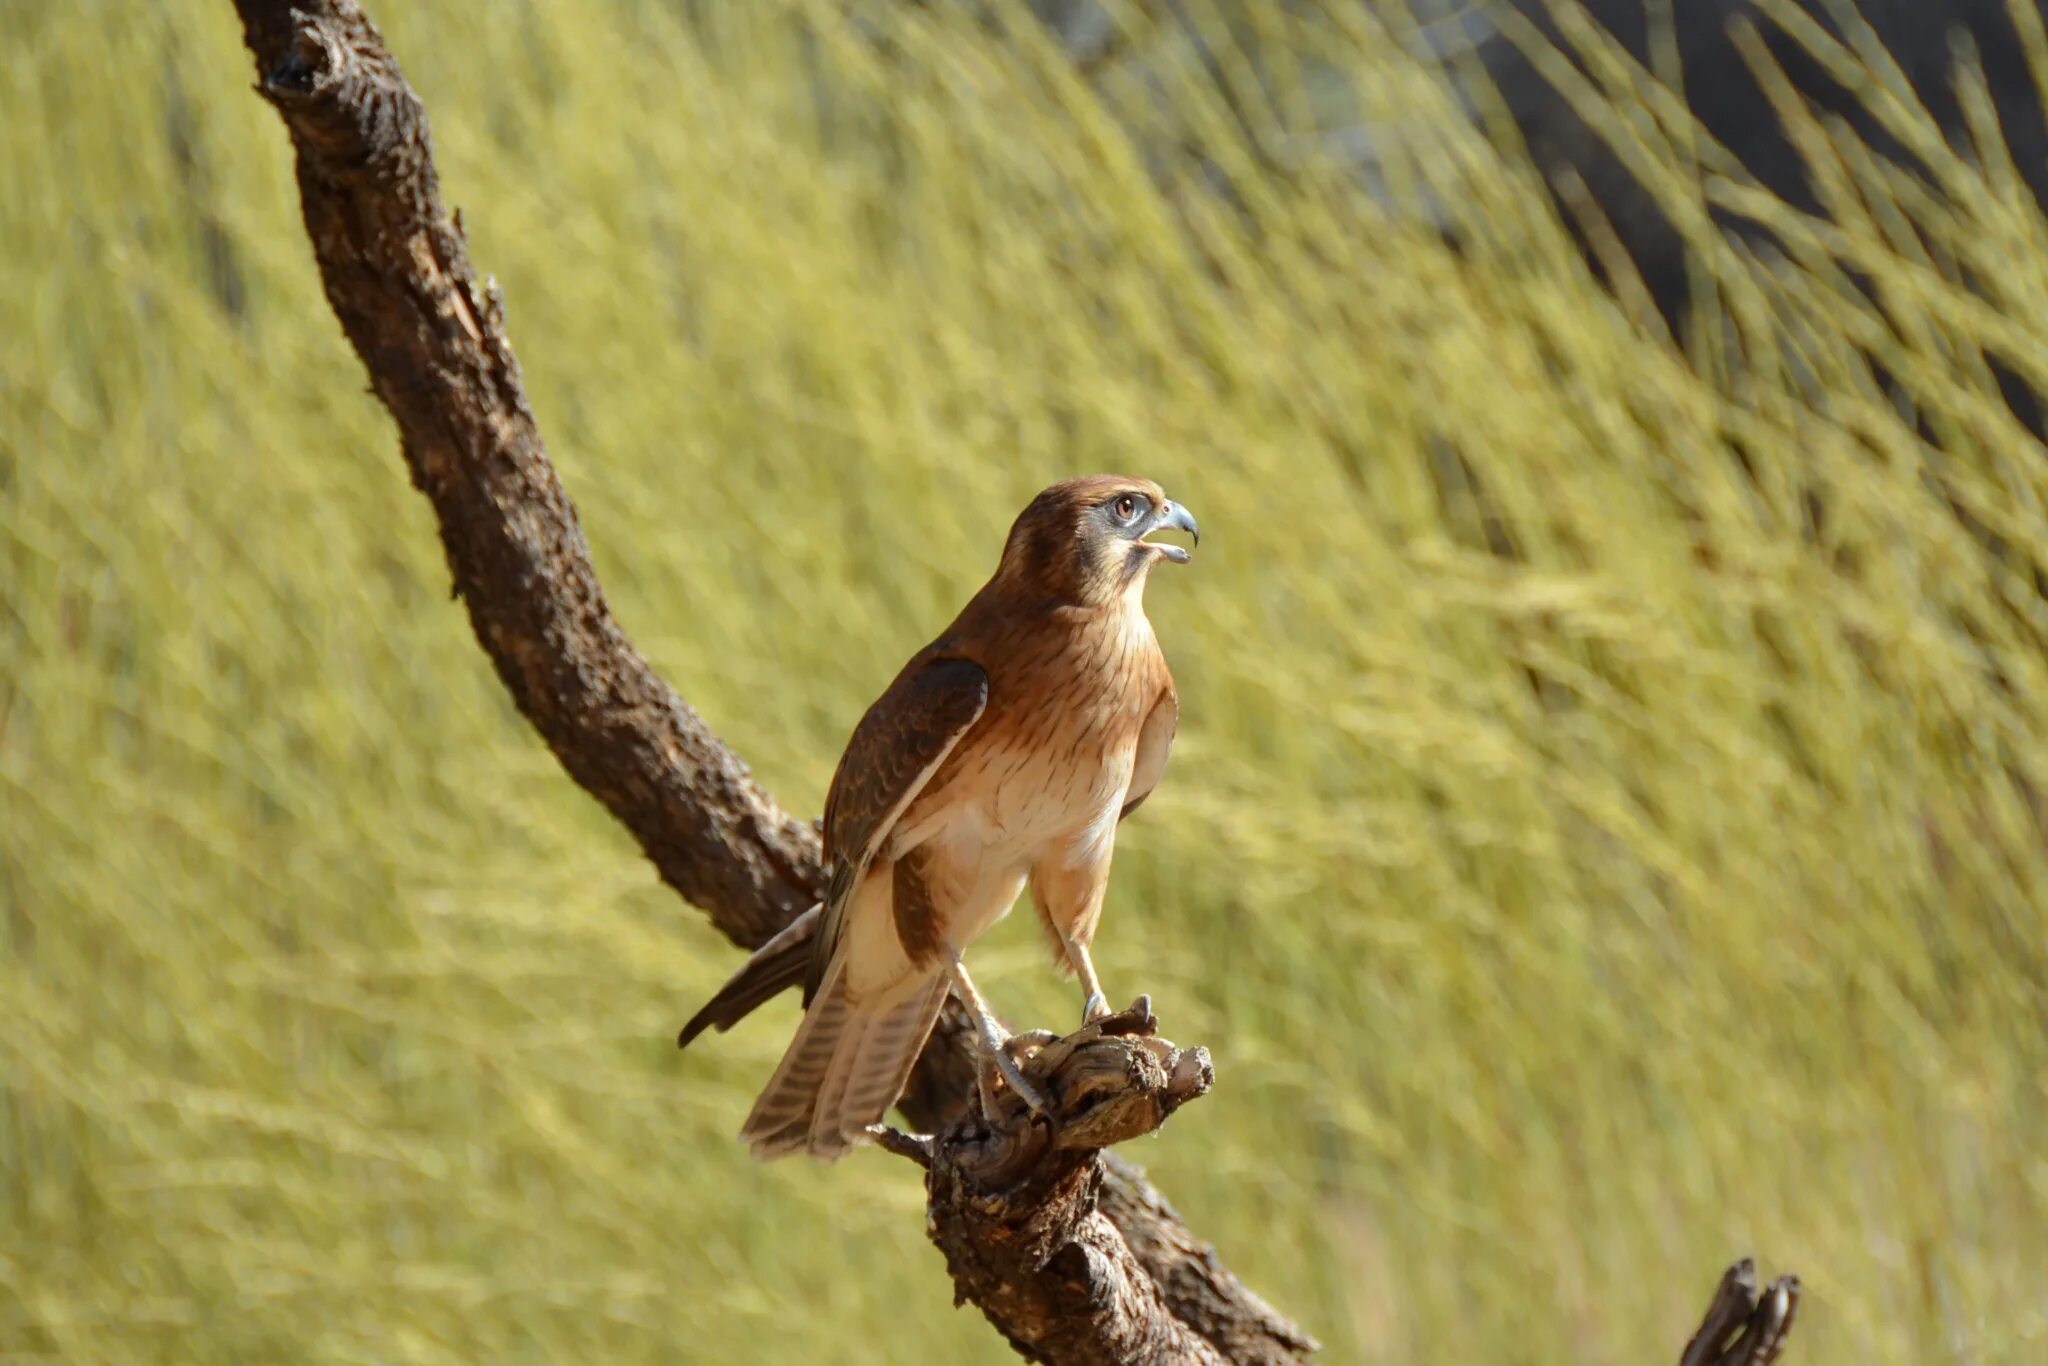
column 908, row 729
column 779, row 965
column 919, row 927
column 894, row 750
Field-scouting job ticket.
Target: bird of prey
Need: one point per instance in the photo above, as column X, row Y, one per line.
column 1006, row 751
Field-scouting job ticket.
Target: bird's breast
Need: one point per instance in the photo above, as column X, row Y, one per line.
column 1041, row 776
column 1042, row 767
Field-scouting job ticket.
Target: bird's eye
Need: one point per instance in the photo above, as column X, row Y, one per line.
column 1125, row 508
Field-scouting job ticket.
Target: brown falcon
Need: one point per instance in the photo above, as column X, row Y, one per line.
column 1005, row 752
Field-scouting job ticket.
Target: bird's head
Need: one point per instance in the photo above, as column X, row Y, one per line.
column 1084, row 540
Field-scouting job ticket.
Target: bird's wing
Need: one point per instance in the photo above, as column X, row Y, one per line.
column 894, row 751
column 776, row 965
column 1155, row 743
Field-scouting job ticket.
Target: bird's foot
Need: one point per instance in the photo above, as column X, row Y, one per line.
column 1021, row 1044
column 1014, row 1075
column 1001, row 1062
column 1103, row 1084
column 1095, row 1008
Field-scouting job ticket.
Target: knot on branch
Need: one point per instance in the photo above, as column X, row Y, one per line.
column 1108, row 1082
column 1013, row 1195
column 339, row 89
column 1037, row 1173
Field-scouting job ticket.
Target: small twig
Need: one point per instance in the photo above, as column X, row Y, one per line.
column 916, row 1147
column 1741, row 1327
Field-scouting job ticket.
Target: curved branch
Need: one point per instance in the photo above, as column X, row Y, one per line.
column 397, row 273
column 432, row 337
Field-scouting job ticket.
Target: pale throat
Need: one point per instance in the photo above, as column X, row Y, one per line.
column 1127, row 619
column 1130, row 608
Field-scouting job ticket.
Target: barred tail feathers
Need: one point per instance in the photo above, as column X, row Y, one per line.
column 846, row 1066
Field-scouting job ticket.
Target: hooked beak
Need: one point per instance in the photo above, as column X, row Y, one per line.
column 1175, row 516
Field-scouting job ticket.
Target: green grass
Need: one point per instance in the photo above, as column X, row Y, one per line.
column 337, row 1021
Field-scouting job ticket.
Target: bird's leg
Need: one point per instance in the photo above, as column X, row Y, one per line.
column 995, row 1055
column 1069, row 897
column 1096, row 1005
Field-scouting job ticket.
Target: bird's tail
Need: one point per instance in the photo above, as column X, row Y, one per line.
column 845, row 1068
column 775, row 967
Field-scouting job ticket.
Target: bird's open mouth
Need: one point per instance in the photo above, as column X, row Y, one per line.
column 1178, row 554
column 1172, row 517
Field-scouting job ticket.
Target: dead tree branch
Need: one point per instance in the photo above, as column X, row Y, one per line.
column 1741, row 1327
column 432, row 337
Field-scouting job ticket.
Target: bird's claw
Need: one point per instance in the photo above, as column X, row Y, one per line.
column 1014, row 1076
column 1096, row 1007
column 1000, row 1061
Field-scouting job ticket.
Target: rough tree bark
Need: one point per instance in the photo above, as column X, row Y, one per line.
column 1067, row 1250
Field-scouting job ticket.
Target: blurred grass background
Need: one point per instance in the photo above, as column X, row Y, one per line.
column 1590, row 856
